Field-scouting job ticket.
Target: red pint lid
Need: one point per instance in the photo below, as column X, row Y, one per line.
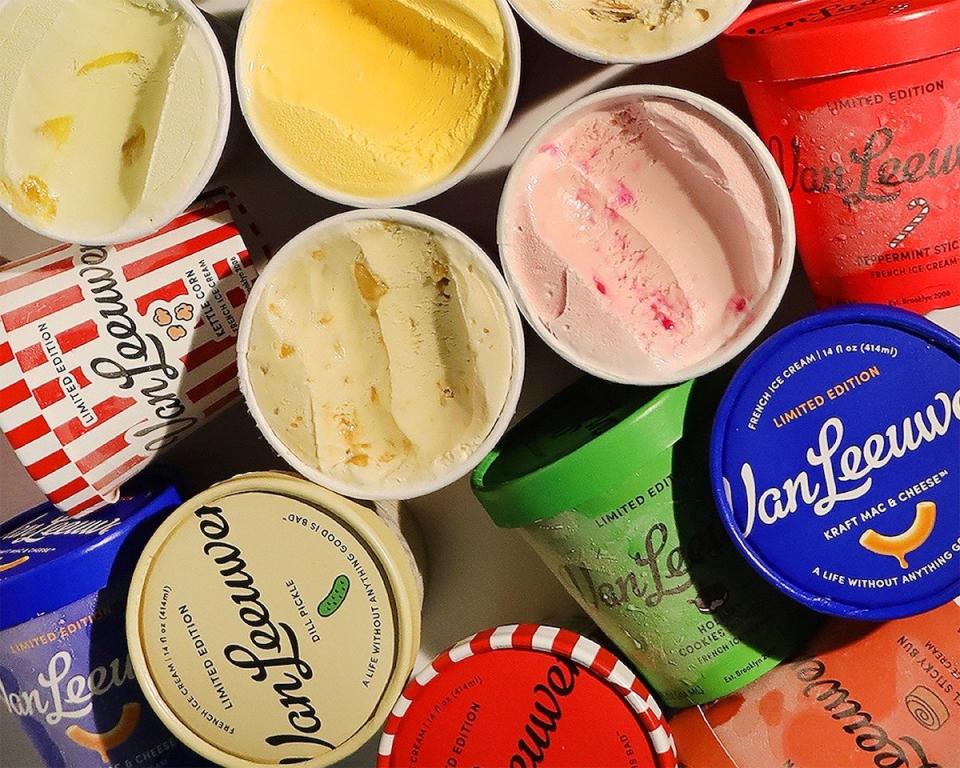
column 526, row 695
column 815, row 38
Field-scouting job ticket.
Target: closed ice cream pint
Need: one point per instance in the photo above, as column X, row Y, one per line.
column 865, row 694
column 272, row 621
column 378, row 104
column 382, row 355
column 113, row 114
column 835, row 462
column 522, row 695
column 110, row 355
column 65, row 671
column 609, row 486
column 646, row 234
column 865, row 132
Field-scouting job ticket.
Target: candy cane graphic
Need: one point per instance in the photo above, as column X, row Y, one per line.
column 924, row 206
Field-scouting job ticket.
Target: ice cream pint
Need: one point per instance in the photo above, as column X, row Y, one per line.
column 382, row 354
column 629, row 31
column 114, row 114
column 609, row 485
column 525, row 695
column 64, row 667
column 646, row 234
column 318, row 97
column 110, row 354
column 271, row 621
column 867, row 695
column 836, row 462
column 866, row 134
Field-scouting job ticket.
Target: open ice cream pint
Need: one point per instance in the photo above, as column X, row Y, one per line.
column 60, row 141
column 271, row 621
column 335, row 89
column 489, row 358
column 572, row 25
column 750, row 265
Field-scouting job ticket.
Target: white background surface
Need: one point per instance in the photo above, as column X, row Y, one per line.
column 479, row 576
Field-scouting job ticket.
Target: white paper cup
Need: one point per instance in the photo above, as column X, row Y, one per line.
column 481, row 261
column 762, row 311
column 467, row 166
column 134, row 230
column 710, row 31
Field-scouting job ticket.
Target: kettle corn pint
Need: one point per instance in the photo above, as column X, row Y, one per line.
column 609, row 485
column 112, row 354
column 271, row 621
column 65, row 672
column 113, row 114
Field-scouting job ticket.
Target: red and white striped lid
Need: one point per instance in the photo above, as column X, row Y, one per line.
column 110, row 354
column 526, row 695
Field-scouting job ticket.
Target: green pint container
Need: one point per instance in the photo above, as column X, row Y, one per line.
column 610, row 485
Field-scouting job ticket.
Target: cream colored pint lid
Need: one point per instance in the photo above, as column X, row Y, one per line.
column 271, row 621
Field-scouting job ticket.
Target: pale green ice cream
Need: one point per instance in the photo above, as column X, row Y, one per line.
column 109, row 110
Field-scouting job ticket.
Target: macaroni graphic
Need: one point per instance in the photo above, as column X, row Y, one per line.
column 13, row 563
column 903, row 544
column 102, row 743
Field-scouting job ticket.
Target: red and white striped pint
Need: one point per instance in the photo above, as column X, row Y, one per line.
column 108, row 355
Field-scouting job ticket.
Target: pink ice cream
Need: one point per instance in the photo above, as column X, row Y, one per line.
column 642, row 233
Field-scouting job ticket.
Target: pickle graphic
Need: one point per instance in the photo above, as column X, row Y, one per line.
column 337, row 595
column 903, row 544
column 102, row 743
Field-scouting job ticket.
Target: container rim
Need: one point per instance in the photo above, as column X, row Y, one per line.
column 499, row 425
column 783, row 258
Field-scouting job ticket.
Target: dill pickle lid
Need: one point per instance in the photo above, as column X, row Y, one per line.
column 272, row 621
column 835, row 462
column 589, row 436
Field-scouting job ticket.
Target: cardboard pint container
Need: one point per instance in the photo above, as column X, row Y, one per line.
column 111, row 354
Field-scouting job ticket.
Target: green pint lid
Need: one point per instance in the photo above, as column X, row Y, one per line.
column 590, row 435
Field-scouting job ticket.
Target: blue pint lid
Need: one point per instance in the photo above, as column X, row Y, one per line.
column 49, row 560
column 836, row 462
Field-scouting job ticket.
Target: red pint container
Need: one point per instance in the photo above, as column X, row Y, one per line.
column 860, row 104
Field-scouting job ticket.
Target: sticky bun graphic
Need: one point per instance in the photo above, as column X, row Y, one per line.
column 903, row 544
column 102, row 743
column 927, row 708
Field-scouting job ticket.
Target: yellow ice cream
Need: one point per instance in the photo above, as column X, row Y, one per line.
column 108, row 111
column 380, row 354
column 373, row 98
column 623, row 30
